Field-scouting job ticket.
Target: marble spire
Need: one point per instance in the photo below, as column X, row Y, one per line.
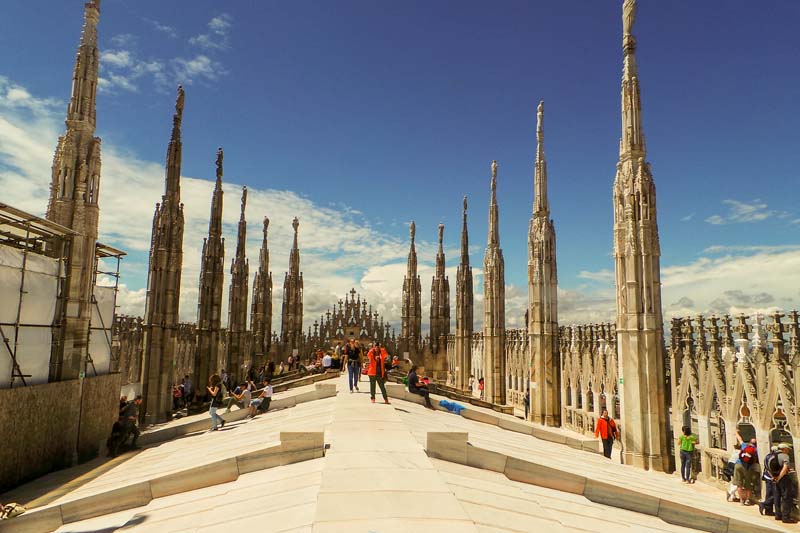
column 440, row 299
column 73, row 202
column 238, row 348
column 411, row 313
column 292, row 311
column 464, row 309
column 209, row 304
column 261, row 311
column 545, row 378
column 164, row 283
column 640, row 335
column 494, row 296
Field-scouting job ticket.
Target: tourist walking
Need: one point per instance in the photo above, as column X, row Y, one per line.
column 377, row 371
column 786, row 484
column 214, row 389
column 471, row 384
column 352, row 360
column 481, row 387
column 606, row 429
column 687, row 442
column 415, row 387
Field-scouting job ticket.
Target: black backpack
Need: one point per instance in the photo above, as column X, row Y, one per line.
column 773, row 465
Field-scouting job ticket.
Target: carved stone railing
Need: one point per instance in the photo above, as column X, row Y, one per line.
column 713, row 461
column 588, row 374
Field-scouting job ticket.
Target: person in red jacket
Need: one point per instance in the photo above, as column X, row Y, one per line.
column 606, row 429
column 377, row 370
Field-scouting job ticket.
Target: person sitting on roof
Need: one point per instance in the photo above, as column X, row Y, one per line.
column 415, row 387
column 262, row 402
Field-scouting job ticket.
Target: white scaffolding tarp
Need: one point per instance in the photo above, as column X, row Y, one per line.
column 34, row 304
column 100, row 334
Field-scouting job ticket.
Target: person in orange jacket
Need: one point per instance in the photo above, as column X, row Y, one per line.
column 377, row 370
column 606, row 429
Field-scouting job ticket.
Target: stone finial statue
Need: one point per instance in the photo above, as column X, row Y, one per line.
column 244, row 198
column 220, row 156
column 540, row 116
column 179, row 101
column 295, row 224
column 413, row 230
column 465, row 204
column 441, row 234
column 494, row 169
column 628, row 16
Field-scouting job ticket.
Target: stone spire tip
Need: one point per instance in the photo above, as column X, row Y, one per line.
column 441, row 234
column 295, row 224
column 413, row 231
column 465, row 205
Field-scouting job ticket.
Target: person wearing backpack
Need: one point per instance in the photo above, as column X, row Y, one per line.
column 606, row 429
column 771, row 470
column 745, row 473
column 687, row 444
column 786, row 484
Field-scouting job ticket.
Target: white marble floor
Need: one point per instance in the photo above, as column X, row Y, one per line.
column 376, row 477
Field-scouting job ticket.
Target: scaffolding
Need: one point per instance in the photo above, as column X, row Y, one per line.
column 33, row 256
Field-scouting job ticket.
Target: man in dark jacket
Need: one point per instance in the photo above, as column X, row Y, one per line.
column 128, row 417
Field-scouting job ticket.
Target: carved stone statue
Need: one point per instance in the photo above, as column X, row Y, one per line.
column 413, row 230
column 219, row 162
column 628, row 16
column 179, row 101
column 540, row 116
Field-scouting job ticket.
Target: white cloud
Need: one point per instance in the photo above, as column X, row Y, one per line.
column 199, row 67
column 120, row 69
column 218, row 36
column 340, row 248
column 603, row 275
column 116, row 58
column 163, row 28
column 124, row 40
column 687, row 218
column 745, row 212
column 738, row 249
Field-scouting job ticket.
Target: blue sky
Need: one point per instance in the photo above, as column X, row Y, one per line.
column 361, row 116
